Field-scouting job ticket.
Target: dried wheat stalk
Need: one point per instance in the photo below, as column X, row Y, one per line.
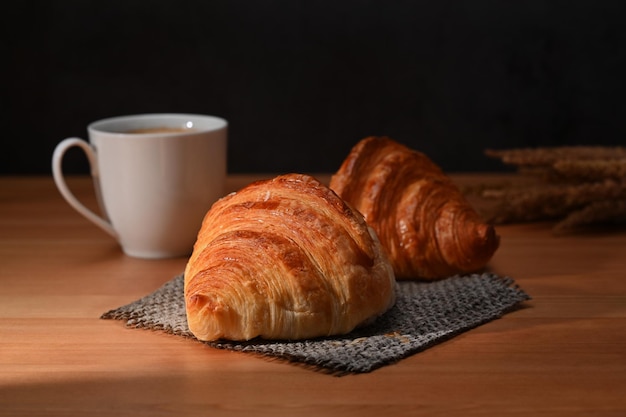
column 576, row 186
column 598, row 212
column 546, row 156
column 589, row 170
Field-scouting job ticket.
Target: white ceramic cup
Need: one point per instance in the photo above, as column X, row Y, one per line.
column 156, row 176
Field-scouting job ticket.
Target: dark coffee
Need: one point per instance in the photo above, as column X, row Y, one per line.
column 160, row 130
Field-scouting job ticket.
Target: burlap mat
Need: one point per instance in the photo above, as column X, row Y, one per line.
column 424, row 314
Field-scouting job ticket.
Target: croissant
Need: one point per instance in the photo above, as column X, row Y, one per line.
column 285, row 258
column 423, row 221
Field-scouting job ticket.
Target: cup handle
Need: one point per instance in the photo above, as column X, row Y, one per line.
column 57, row 173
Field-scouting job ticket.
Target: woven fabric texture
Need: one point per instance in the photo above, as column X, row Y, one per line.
column 425, row 313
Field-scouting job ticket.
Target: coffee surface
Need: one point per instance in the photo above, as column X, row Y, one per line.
column 161, row 129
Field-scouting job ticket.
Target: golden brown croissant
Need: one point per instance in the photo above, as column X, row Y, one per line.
column 426, row 225
column 285, row 258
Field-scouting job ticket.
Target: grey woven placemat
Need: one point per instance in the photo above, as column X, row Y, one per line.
column 425, row 313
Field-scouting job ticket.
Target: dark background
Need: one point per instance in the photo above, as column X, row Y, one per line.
column 300, row 82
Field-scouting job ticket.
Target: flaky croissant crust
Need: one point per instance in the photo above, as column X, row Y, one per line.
column 285, row 258
column 425, row 224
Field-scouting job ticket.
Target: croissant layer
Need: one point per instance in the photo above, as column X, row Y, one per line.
column 425, row 224
column 285, row 258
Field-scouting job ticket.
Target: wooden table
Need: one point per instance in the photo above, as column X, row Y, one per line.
column 564, row 354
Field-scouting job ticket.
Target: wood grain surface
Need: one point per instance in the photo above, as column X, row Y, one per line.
column 562, row 354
